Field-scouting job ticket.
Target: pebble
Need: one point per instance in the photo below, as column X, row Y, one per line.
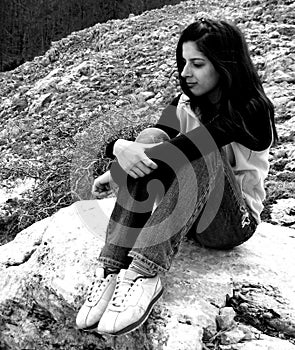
column 283, row 212
column 146, row 95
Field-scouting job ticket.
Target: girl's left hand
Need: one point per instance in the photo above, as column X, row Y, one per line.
column 101, row 186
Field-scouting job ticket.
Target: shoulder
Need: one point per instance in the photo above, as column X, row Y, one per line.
column 256, row 125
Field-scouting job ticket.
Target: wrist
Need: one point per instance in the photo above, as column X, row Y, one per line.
column 119, row 145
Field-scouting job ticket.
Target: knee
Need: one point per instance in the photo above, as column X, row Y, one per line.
column 152, row 135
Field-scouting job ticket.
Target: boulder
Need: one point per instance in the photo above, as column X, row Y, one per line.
column 45, row 271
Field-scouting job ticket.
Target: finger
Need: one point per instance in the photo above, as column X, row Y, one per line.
column 96, row 195
column 96, row 182
column 133, row 174
column 96, row 187
column 137, row 171
column 149, row 163
column 145, row 169
column 100, row 195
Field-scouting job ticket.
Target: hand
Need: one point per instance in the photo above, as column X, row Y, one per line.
column 132, row 159
column 101, row 186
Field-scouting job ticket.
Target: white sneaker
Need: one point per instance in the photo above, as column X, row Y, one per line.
column 131, row 304
column 100, row 293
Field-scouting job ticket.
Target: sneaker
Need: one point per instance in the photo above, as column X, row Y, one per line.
column 100, row 293
column 131, row 304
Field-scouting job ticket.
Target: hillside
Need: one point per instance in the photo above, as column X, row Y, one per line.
column 28, row 27
column 58, row 111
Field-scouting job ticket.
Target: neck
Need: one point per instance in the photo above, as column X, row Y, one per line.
column 214, row 96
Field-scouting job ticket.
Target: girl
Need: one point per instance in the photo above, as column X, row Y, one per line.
column 207, row 158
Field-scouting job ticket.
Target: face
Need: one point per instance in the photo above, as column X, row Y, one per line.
column 199, row 73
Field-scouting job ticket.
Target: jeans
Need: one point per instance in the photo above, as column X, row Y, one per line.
column 201, row 200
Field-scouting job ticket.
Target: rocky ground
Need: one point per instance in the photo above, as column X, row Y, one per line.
column 58, row 111
column 241, row 299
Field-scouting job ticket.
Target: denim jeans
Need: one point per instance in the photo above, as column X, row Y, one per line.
column 202, row 199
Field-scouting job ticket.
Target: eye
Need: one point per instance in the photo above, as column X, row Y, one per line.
column 198, row 65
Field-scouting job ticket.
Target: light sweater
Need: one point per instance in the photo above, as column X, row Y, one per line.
column 250, row 167
column 248, row 155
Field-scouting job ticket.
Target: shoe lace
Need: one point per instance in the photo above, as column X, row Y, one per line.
column 96, row 287
column 122, row 289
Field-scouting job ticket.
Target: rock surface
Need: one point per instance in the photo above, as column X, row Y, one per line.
column 209, row 299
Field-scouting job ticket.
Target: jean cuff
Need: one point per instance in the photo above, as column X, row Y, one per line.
column 112, row 263
column 150, row 264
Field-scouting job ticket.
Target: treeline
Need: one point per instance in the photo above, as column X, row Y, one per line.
column 27, row 27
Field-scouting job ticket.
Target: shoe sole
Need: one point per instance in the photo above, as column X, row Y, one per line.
column 90, row 328
column 141, row 321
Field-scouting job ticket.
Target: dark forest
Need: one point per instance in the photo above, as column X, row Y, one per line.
column 27, row 27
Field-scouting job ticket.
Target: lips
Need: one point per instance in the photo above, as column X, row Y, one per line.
column 190, row 84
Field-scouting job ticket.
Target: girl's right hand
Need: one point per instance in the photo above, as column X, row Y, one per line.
column 132, row 159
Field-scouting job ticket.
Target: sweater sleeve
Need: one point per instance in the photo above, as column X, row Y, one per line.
column 210, row 137
column 191, row 145
column 168, row 122
column 253, row 130
column 182, row 149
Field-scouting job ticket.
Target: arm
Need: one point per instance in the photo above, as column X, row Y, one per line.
column 168, row 122
column 210, row 137
column 251, row 129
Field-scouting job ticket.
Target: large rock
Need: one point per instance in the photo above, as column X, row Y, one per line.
column 46, row 269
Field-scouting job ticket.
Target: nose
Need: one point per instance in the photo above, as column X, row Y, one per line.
column 186, row 70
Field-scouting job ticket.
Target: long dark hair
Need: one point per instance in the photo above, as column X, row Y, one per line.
column 225, row 46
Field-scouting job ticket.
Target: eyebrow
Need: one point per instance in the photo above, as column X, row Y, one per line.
column 195, row 59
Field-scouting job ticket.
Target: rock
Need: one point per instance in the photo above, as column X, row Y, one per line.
column 258, row 11
column 266, row 343
column 146, row 95
column 280, row 153
column 152, row 101
column 225, row 319
column 291, row 104
column 19, row 103
column 283, row 212
column 52, row 54
column 46, row 83
column 37, row 105
column 286, row 130
column 3, row 135
column 280, row 76
column 183, row 337
column 46, row 269
column 85, row 68
column 236, row 335
column 274, row 34
column 290, row 166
